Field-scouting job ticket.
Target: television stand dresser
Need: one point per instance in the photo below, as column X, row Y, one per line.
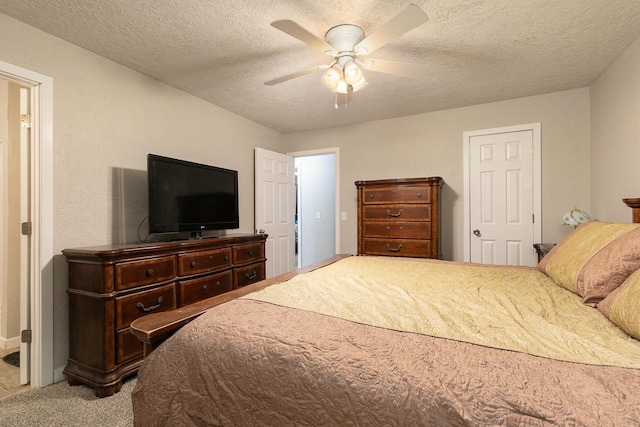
column 110, row 286
column 399, row 217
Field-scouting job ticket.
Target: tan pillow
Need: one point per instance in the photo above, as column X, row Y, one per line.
column 621, row 306
column 594, row 259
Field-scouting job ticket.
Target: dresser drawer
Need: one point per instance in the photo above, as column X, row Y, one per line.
column 401, row 230
column 202, row 262
column 247, row 275
column 397, row 212
column 143, row 272
column 129, row 346
column 194, row 290
column 398, row 247
column 404, row 194
column 248, row 253
column 130, row 307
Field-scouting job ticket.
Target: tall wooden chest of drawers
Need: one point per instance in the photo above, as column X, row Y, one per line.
column 110, row 286
column 399, row 217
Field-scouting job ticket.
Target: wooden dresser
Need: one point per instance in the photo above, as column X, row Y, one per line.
column 399, row 217
column 110, row 286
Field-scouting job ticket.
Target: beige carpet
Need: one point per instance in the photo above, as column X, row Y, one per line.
column 62, row 405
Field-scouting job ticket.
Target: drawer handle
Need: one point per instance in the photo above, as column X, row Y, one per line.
column 371, row 196
column 394, row 215
column 205, row 287
column 226, row 258
column 217, row 283
column 251, row 276
column 150, row 272
column 419, row 195
column 144, row 309
column 193, row 264
column 211, row 257
column 250, row 252
column 394, row 249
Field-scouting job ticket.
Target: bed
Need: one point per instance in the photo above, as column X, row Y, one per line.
column 395, row 341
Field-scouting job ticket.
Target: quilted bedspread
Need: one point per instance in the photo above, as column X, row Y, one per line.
column 403, row 343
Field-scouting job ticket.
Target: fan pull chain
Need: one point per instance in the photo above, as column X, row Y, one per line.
column 337, row 105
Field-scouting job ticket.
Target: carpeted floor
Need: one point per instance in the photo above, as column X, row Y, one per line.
column 62, row 405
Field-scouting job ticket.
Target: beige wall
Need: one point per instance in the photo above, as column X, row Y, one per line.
column 106, row 119
column 431, row 145
column 615, row 137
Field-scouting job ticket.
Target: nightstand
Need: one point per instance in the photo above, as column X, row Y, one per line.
column 542, row 249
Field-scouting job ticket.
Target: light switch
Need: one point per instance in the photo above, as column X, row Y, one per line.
column 343, row 215
column 317, row 215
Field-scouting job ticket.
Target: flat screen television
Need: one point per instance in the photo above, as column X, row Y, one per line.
column 187, row 196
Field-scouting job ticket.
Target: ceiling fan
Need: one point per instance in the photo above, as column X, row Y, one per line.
column 348, row 44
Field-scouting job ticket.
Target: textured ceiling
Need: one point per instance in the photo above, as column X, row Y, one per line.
column 476, row 51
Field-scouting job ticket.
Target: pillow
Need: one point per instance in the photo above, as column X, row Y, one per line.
column 621, row 306
column 594, row 259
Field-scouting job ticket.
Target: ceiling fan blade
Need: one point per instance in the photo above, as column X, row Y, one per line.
column 296, row 31
column 404, row 69
column 411, row 17
column 296, row 74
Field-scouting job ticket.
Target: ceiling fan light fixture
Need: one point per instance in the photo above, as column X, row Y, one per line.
column 343, row 86
column 331, row 78
column 359, row 84
column 352, row 73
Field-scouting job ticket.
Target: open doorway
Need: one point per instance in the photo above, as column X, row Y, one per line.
column 317, row 205
column 36, row 295
column 14, row 251
column 278, row 201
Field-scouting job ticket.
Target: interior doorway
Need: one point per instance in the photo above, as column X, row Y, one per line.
column 36, row 302
column 14, row 245
column 317, row 205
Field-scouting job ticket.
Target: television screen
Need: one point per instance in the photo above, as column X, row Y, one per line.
column 187, row 196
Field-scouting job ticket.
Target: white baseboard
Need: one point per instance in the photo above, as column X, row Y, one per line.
column 58, row 375
column 6, row 344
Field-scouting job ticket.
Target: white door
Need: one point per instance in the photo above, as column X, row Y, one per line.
column 25, row 237
column 502, row 192
column 275, row 208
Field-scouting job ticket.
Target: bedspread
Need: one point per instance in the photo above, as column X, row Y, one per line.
column 514, row 308
column 250, row 362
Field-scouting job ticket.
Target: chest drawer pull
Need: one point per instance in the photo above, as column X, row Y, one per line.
column 394, row 249
column 144, row 309
column 149, row 272
column 394, row 215
column 193, row 264
column 419, row 195
column 251, row 276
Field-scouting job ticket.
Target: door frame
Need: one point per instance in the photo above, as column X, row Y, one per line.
column 336, row 152
column 41, row 214
column 535, row 128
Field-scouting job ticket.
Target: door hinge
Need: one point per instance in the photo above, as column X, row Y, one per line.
column 25, row 120
column 27, row 228
column 25, row 336
column 533, row 218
